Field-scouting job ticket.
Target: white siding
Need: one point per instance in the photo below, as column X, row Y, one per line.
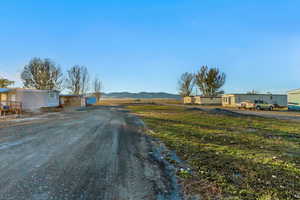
column 203, row 100
column 294, row 99
column 232, row 100
column 53, row 99
column 208, row 100
column 188, row 100
column 33, row 100
column 228, row 100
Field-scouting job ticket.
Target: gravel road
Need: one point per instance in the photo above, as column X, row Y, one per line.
column 90, row 154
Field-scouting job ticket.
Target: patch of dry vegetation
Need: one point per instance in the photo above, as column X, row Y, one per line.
column 123, row 101
column 232, row 157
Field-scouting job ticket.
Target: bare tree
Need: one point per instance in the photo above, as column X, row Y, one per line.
column 97, row 84
column 209, row 81
column 78, row 80
column 252, row 92
column 74, row 79
column 4, row 83
column 186, row 84
column 85, row 80
column 42, row 74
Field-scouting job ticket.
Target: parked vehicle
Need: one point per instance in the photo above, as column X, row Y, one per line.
column 260, row 105
column 242, row 105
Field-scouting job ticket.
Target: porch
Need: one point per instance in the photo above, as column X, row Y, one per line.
column 8, row 103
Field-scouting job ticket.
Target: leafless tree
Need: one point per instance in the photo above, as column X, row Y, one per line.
column 186, row 84
column 42, row 74
column 77, row 80
column 252, row 92
column 209, row 81
column 85, row 80
column 97, row 84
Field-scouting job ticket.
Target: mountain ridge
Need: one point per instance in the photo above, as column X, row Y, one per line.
column 141, row 95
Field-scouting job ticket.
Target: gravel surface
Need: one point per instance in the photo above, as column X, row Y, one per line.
column 281, row 115
column 88, row 154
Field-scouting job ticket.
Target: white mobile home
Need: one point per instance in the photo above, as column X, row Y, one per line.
column 30, row 99
column 231, row 100
column 294, row 99
column 202, row 100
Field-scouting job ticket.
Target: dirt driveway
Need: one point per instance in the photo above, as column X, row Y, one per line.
column 91, row 154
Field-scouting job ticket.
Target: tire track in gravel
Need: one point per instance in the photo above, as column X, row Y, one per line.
column 93, row 154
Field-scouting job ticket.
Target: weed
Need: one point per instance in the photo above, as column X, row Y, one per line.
column 233, row 157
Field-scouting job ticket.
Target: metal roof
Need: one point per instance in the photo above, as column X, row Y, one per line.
column 205, row 96
column 2, row 90
column 34, row 90
column 70, row 95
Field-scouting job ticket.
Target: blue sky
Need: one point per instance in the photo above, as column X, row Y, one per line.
column 139, row 45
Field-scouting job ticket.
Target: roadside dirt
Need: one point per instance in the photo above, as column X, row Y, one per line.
column 88, row 154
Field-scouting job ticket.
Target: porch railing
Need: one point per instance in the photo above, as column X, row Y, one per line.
column 10, row 106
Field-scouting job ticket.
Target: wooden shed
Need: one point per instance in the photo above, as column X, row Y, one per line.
column 231, row 100
column 71, row 100
column 294, row 99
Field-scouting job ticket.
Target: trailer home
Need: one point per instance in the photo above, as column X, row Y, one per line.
column 294, row 99
column 29, row 99
column 231, row 100
column 202, row 100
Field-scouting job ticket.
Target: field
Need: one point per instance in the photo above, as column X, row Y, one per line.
column 232, row 156
column 124, row 101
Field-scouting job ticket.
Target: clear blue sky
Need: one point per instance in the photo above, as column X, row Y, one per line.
column 136, row 45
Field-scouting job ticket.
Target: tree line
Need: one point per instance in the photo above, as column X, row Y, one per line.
column 45, row 74
column 4, row 83
column 208, row 80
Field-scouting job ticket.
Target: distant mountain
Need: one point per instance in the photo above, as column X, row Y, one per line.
column 141, row 95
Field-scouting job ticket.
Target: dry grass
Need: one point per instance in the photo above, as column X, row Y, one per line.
column 233, row 157
column 123, row 101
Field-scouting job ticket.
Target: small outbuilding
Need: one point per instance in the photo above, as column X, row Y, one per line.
column 29, row 99
column 294, row 99
column 231, row 100
column 202, row 100
column 67, row 100
column 91, row 100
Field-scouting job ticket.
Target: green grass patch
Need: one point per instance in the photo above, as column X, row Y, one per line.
column 233, row 157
